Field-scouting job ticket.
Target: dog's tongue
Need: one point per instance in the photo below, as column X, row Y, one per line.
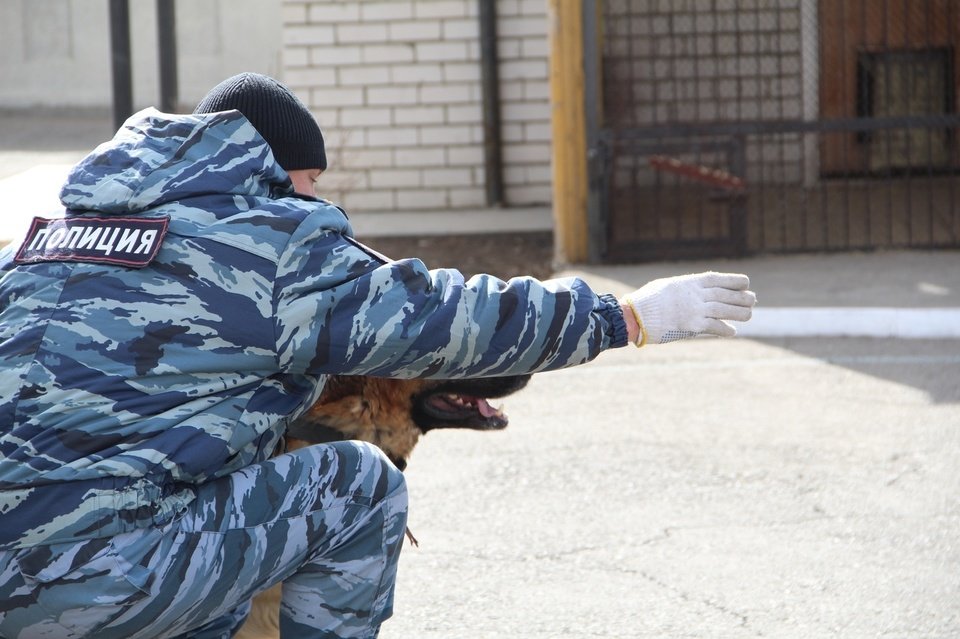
column 485, row 408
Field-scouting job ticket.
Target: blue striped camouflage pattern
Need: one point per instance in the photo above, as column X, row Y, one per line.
column 328, row 521
column 126, row 389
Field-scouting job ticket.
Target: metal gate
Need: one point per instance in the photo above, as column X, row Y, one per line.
column 726, row 127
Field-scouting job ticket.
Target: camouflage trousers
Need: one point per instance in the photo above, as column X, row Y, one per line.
column 328, row 521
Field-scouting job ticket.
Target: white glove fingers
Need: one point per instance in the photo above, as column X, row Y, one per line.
column 717, row 310
column 732, row 281
column 719, row 328
column 680, row 307
column 734, row 298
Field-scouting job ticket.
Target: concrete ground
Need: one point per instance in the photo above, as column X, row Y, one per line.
column 789, row 488
column 799, row 481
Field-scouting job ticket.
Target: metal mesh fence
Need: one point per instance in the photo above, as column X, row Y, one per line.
column 840, row 116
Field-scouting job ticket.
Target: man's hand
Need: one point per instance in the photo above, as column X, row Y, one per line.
column 674, row 308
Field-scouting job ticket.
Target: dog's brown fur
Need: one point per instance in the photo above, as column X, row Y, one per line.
column 392, row 414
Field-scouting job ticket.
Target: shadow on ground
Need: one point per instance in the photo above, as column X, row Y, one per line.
column 932, row 366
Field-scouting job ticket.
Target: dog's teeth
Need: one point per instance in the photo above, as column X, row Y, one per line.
column 462, row 401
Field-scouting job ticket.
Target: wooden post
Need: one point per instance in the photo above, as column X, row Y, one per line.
column 569, row 131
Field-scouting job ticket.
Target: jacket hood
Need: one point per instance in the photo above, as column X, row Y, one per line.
column 157, row 157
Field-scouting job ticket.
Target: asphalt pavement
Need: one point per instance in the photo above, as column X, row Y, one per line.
column 790, row 488
column 799, row 481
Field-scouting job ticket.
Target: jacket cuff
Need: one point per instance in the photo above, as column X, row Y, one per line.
column 609, row 309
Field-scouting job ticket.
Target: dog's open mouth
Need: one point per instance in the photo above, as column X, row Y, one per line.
column 459, row 407
column 465, row 404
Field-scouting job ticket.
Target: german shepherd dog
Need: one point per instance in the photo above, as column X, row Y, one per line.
column 392, row 414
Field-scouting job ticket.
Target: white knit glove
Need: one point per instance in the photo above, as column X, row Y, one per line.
column 676, row 308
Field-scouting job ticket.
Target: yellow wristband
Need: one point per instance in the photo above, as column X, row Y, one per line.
column 643, row 332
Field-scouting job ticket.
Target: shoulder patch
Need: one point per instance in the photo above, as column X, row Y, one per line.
column 124, row 241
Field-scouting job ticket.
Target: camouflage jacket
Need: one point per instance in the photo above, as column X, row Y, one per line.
column 191, row 304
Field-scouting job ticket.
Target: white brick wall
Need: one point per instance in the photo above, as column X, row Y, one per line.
column 395, row 86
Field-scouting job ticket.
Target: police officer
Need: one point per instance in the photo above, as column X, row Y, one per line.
column 157, row 339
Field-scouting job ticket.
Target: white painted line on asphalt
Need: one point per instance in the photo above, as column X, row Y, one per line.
column 799, row 360
column 904, row 323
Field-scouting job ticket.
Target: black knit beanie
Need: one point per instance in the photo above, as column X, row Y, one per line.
column 278, row 115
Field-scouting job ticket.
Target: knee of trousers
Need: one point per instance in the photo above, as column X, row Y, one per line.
column 370, row 461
